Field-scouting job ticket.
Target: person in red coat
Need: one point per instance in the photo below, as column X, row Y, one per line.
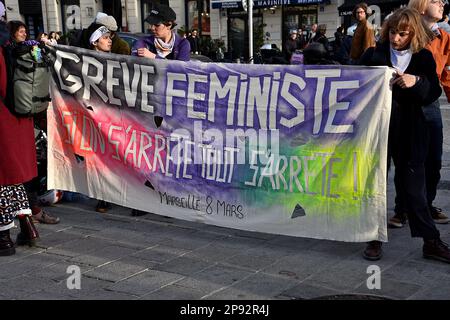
column 18, row 33
column 17, row 165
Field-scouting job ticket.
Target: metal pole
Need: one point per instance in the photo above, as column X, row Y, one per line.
column 126, row 17
column 250, row 31
column 200, row 17
column 47, row 29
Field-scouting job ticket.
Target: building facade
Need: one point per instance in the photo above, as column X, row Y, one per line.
column 272, row 21
column 272, row 18
column 224, row 20
column 65, row 15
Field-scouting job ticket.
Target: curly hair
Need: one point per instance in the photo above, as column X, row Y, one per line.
column 408, row 19
column 14, row 26
column 363, row 6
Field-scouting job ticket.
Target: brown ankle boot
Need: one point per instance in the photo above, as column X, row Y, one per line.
column 6, row 244
column 28, row 233
column 436, row 249
column 373, row 251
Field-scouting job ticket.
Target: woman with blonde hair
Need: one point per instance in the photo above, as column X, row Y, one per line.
column 414, row 85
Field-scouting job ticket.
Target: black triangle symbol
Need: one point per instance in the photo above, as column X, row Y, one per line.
column 79, row 158
column 158, row 121
column 148, row 184
column 298, row 212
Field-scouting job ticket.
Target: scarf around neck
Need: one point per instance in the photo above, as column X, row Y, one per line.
column 164, row 49
column 400, row 59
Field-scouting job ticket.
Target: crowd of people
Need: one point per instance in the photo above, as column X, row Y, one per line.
column 347, row 47
column 19, row 181
column 52, row 38
column 410, row 41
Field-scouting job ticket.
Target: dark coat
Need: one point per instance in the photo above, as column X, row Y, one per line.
column 194, row 42
column 289, row 48
column 18, row 150
column 422, row 64
column 321, row 38
column 343, row 53
column 408, row 133
column 120, row 46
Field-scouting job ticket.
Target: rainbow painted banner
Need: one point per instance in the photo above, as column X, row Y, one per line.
column 292, row 150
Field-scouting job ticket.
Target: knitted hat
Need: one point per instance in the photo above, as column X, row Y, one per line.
column 107, row 21
column 100, row 15
column 2, row 9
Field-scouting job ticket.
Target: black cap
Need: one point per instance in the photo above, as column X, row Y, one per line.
column 160, row 13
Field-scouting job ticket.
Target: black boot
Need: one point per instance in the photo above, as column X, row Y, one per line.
column 103, row 206
column 373, row 251
column 28, row 233
column 6, row 244
column 436, row 249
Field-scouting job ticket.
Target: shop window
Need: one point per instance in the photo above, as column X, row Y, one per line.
column 199, row 16
column 299, row 17
column 291, row 22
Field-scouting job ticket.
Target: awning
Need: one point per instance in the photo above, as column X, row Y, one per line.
column 385, row 5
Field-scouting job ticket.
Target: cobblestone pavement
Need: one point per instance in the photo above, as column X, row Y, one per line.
column 155, row 257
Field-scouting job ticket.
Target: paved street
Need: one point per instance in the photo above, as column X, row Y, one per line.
column 154, row 257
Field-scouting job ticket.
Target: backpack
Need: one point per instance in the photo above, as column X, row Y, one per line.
column 30, row 78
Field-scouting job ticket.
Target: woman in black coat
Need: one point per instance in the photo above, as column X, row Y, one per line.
column 414, row 84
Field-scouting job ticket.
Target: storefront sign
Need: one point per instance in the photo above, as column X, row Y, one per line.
column 225, row 4
column 271, row 3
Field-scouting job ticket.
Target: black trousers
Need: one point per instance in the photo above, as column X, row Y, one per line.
column 32, row 189
column 433, row 163
column 409, row 144
column 33, row 186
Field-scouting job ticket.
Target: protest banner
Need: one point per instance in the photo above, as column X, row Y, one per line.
column 291, row 150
